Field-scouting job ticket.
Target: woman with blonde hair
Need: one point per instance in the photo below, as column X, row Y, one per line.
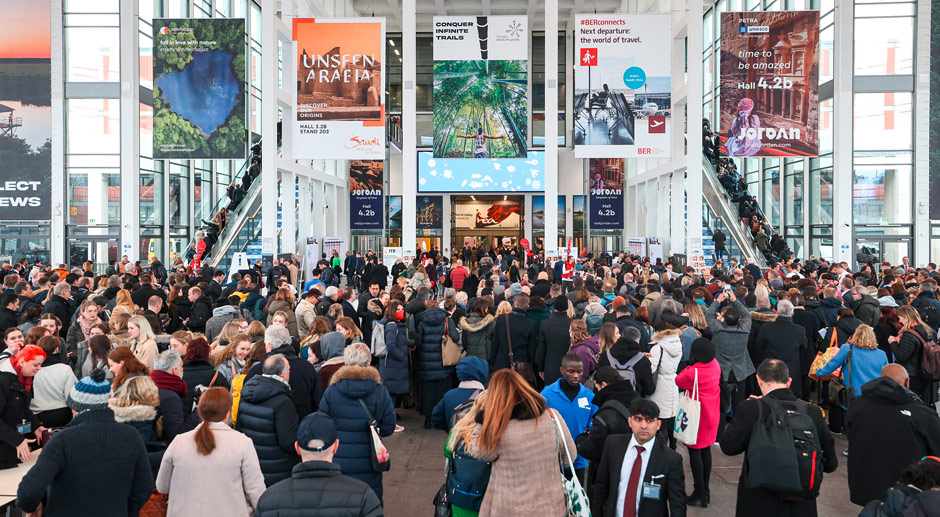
column 861, row 361
column 909, row 351
column 514, row 425
column 118, row 325
column 697, row 317
column 213, row 451
column 136, row 404
column 123, row 303
column 503, row 308
column 229, row 330
column 335, row 312
column 143, row 341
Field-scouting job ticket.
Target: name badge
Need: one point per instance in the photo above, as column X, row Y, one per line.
column 24, row 428
column 651, row 491
column 583, row 403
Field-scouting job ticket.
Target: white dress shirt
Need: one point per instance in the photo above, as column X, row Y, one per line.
column 627, row 467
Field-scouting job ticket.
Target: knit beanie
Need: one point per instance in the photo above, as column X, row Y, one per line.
column 90, row 392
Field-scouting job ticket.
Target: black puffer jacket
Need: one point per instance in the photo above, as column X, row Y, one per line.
column 266, row 414
column 430, row 331
column 316, row 488
column 14, row 408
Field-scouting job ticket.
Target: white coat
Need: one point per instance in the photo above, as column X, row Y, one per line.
column 666, row 352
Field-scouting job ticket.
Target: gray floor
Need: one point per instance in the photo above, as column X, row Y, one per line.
column 418, row 472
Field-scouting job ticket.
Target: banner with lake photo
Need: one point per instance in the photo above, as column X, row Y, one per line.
column 26, row 112
column 769, row 103
column 340, row 88
column 538, row 213
column 366, row 179
column 623, row 85
column 480, row 81
column 199, row 89
column 606, row 196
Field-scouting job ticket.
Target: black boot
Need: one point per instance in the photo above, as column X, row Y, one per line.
column 427, row 422
column 697, row 498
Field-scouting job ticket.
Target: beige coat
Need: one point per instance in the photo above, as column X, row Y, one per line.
column 226, row 482
column 146, row 352
column 526, row 477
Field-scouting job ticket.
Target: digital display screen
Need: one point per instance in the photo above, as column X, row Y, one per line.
column 481, row 174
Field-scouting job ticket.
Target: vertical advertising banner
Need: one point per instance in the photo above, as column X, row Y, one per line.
column 199, row 89
column 26, row 112
column 622, row 85
column 480, row 76
column 769, row 84
column 577, row 212
column 394, row 212
column 538, row 213
column 606, row 198
column 935, row 115
column 340, row 89
column 365, row 194
column 430, row 212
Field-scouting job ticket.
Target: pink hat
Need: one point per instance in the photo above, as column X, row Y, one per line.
column 745, row 104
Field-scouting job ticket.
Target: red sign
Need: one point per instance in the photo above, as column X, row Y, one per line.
column 588, row 57
column 657, row 124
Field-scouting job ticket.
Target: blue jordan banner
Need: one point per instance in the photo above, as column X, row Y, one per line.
column 199, row 88
column 606, row 199
column 365, row 194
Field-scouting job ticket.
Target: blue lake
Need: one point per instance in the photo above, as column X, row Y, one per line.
column 204, row 92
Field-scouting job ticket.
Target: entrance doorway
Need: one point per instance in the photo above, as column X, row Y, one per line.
column 99, row 251
column 881, row 249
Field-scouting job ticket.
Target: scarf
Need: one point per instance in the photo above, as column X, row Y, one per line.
column 168, row 381
column 86, row 326
column 27, row 382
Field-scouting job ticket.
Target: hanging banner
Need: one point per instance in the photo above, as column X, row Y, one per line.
column 429, row 211
column 393, row 209
column 26, row 115
column 606, row 199
column 478, row 214
column 636, row 246
column 769, row 84
column 199, row 88
column 577, row 212
column 340, row 88
column 935, row 116
column 622, row 85
column 480, row 81
column 538, row 213
column 365, row 194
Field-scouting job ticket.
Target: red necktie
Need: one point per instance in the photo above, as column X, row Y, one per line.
column 629, row 502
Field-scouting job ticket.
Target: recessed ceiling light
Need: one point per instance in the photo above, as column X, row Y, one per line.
column 391, row 42
column 397, row 53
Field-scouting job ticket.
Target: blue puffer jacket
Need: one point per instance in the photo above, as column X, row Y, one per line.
column 341, row 403
column 473, row 373
column 266, row 414
column 394, row 366
column 428, row 343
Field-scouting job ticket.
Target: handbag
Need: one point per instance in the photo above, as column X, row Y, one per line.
column 467, row 479
column 441, row 502
column 451, row 353
column 523, row 369
column 823, row 357
column 156, row 506
column 842, row 392
column 379, row 456
column 689, row 416
column 576, row 498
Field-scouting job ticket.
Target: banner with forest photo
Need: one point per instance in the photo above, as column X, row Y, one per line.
column 480, row 81
column 199, row 89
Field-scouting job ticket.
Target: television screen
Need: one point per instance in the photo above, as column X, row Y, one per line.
column 481, row 174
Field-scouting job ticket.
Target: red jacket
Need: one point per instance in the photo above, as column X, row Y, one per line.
column 457, row 277
column 709, row 375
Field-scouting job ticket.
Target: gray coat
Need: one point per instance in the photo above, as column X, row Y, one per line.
column 731, row 342
column 477, row 334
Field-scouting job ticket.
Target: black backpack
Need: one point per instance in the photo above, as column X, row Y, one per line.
column 930, row 315
column 784, row 454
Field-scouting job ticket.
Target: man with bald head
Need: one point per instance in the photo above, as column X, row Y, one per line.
column 888, row 428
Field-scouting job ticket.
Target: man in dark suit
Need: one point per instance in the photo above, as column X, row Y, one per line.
column 554, row 341
column 141, row 297
column 655, row 485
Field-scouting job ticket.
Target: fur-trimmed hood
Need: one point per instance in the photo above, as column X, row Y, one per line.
column 351, row 371
column 763, row 317
column 478, row 323
column 662, row 334
column 131, row 414
column 375, row 307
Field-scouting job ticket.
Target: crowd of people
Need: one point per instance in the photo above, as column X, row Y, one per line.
column 141, row 384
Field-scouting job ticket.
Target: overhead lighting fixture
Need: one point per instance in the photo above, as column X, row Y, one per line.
column 397, row 53
column 399, row 60
column 473, row 198
column 391, row 42
column 505, row 198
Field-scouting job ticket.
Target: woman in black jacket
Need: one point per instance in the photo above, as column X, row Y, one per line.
column 198, row 370
column 14, row 405
column 625, row 349
column 909, row 351
column 432, row 378
column 887, row 327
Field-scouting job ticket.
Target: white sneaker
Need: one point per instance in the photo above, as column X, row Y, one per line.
column 399, row 428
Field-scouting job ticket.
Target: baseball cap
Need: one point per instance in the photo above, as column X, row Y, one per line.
column 316, row 426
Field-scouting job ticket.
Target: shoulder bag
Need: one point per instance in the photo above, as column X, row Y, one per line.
column 840, row 389
column 451, row 353
column 689, row 415
column 379, row 456
column 523, row 369
column 575, row 496
column 823, row 357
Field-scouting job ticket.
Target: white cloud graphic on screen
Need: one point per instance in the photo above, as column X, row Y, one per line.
column 433, row 173
column 497, row 166
column 432, row 163
column 448, row 174
column 511, row 168
column 530, row 162
column 423, row 181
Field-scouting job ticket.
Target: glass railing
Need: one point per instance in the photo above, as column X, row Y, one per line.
column 711, row 223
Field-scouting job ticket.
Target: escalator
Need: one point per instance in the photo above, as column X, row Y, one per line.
column 724, row 214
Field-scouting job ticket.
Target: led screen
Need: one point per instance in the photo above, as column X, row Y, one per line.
column 481, row 175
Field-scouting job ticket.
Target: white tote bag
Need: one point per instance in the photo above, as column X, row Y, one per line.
column 689, row 417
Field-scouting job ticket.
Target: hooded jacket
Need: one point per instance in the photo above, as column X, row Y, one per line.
column 142, row 418
column 477, row 334
column 664, row 358
column 868, row 310
column 429, row 358
column 844, row 329
column 283, row 305
column 222, row 315
column 394, row 366
column 472, row 372
column 266, row 414
column 623, row 350
column 827, row 312
column 587, row 350
column 759, row 318
column 341, row 403
column 888, row 429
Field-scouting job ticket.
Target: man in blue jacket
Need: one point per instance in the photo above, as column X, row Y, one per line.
column 574, row 403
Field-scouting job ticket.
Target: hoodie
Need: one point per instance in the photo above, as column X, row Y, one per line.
column 587, row 350
column 472, row 372
column 665, row 357
column 477, row 334
column 827, row 313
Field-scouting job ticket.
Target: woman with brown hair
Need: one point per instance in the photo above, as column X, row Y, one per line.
column 909, row 351
column 321, row 327
column 256, row 331
column 123, row 303
column 888, row 326
column 213, row 451
column 124, row 365
column 515, row 426
column 230, row 360
column 608, row 335
column 98, row 349
column 350, row 331
column 585, row 346
column 282, row 301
